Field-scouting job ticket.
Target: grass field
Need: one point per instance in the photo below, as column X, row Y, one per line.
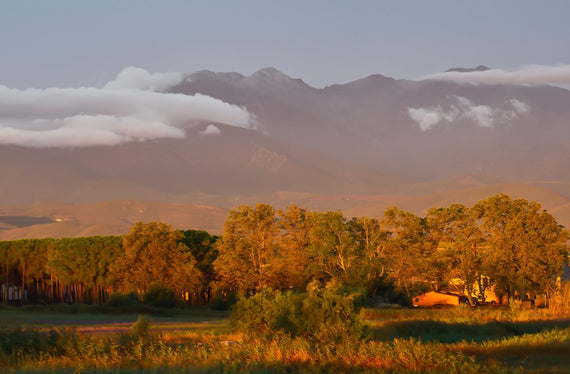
column 460, row 340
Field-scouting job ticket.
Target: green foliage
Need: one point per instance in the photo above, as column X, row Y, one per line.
column 248, row 249
column 322, row 314
column 160, row 296
column 221, row 302
column 333, row 250
column 408, row 249
column 118, row 299
column 525, row 247
column 154, row 254
column 512, row 245
column 30, row 341
column 328, row 315
column 404, row 341
column 202, row 245
column 140, row 327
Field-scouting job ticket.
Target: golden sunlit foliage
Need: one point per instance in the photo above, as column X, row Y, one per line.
column 512, row 246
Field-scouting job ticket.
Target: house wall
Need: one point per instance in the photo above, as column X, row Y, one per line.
column 435, row 298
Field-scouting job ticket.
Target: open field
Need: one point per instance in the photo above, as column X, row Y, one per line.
column 399, row 340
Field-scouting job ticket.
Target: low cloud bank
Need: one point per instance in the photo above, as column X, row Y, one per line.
column 132, row 107
column 530, row 74
column 462, row 108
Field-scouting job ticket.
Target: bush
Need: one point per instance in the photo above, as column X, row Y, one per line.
column 223, row 303
column 140, row 327
column 266, row 312
column 320, row 313
column 123, row 300
column 159, row 296
column 30, row 341
column 328, row 315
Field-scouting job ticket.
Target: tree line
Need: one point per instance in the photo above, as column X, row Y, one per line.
column 90, row 269
column 510, row 244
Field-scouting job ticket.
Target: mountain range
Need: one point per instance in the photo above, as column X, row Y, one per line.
column 360, row 147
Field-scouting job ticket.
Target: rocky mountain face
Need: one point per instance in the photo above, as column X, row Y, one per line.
column 423, row 130
column 365, row 144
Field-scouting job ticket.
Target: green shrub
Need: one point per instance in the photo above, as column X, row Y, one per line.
column 159, row 296
column 29, row 341
column 266, row 312
column 118, row 300
column 328, row 315
column 140, row 327
column 320, row 313
column 224, row 303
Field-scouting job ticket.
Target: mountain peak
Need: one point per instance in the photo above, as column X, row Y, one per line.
column 273, row 75
column 270, row 72
column 468, row 70
column 227, row 77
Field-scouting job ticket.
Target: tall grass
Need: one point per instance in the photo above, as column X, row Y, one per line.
column 469, row 315
column 401, row 341
column 560, row 302
column 245, row 354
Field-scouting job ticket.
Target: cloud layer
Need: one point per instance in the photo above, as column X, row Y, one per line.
column 129, row 108
column 530, row 74
column 463, row 109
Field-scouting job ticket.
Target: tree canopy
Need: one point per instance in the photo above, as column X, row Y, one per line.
column 510, row 244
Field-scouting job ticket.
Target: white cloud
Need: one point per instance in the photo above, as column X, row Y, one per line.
column 133, row 78
column 211, row 130
column 519, row 106
column 462, row 108
column 530, row 74
column 129, row 108
column 482, row 115
column 427, row 118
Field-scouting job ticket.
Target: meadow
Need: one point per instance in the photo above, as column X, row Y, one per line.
column 89, row 339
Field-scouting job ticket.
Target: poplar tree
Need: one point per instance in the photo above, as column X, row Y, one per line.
column 295, row 226
column 247, row 258
column 334, row 251
column 407, row 248
column 457, row 237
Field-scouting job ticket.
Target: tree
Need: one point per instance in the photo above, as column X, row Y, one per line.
column 295, row 226
column 153, row 253
column 372, row 240
column 248, row 249
column 457, row 237
column 527, row 247
column 407, row 250
column 202, row 245
column 334, row 252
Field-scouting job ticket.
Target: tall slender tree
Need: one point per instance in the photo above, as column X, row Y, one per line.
column 293, row 243
column 458, row 256
column 408, row 249
column 247, row 257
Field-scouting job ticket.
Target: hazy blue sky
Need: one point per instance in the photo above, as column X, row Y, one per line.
column 79, row 43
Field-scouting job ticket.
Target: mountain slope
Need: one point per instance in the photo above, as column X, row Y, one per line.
column 359, row 146
column 510, row 130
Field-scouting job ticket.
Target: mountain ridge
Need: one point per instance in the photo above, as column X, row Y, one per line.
column 344, row 146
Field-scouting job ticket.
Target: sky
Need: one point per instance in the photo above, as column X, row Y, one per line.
column 70, row 43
